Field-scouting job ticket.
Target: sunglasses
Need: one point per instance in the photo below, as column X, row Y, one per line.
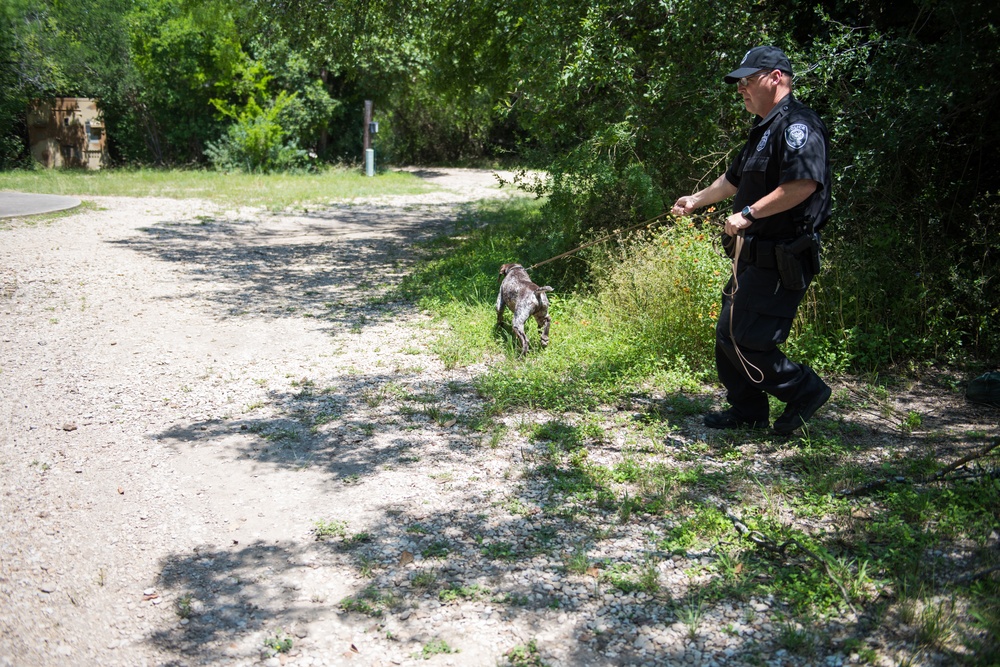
column 745, row 81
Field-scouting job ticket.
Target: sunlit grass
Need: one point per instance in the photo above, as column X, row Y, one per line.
column 649, row 316
column 275, row 191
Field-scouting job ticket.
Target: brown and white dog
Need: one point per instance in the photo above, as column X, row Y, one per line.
column 525, row 299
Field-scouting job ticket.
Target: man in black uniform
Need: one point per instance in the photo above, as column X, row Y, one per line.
column 780, row 182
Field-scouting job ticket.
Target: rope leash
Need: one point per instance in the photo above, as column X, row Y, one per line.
column 644, row 223
column 732, row 311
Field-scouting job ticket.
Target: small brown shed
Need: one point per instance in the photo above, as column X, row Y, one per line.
column 67, row 132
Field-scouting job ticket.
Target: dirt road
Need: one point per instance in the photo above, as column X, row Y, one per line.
column 185, row 394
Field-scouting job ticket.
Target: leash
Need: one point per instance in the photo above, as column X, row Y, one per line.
column 644, row 223
column 732, row 311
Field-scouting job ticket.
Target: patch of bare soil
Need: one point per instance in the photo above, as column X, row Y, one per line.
column 222, row 444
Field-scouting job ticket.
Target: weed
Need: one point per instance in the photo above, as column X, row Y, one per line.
column 366, row 567
column 359, row 538
column 936, row 624
column 691, row 615
column 437, row 549
column 458, row 592
column 911, row 422
column 525, row 656
column 324, row 417
column 280, row 643
column 627, row 579
column 495, row 436
column 434, row 647
column 324, row 530
column 730, row 567
column 370, row 602
column 516, row 599
column 273, row 433
column 417, row 529
column 184, row 606
column 518, row 507
column 373, row 398
column 424, row 579
column 439, row 416
column 796, row 639
column 577, row 561
column 705, row 525
column 500, row 551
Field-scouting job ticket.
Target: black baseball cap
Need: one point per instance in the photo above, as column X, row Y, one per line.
column 758, row 58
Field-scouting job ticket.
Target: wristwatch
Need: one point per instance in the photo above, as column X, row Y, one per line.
column 747, row 214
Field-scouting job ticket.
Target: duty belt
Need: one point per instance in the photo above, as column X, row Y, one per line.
column 761, row 252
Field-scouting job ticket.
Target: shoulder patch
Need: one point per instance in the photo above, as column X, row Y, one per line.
column 796, row 135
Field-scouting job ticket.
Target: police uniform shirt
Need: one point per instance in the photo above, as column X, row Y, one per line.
column 791, row 143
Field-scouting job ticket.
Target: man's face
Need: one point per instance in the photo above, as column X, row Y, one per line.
column 758, row 94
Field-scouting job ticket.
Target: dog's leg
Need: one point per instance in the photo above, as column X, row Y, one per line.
column 543, row 326
column 542, row 316
column 518, row 326
column 500, row 305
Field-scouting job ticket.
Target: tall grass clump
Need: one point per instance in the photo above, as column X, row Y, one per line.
column 646, row 315
column 662, row 290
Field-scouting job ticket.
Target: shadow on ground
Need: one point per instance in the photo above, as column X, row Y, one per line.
column 563, row 546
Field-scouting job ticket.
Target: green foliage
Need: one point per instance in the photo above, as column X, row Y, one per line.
column 434, row 647
column 256, row 140
column 324, row 530
column 308, row 109
column 457, row 592
column 279, row 643
column 183, row 56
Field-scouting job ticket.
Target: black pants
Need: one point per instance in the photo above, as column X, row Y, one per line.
column 747, row 357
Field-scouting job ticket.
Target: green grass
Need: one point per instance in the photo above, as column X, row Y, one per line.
column 275, row 191
column 651, row 321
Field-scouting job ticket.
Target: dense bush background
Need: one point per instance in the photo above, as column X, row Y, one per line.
column 621, row 103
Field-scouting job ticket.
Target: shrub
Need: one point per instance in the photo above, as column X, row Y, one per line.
column 256, row 141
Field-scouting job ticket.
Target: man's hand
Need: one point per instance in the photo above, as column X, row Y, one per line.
column 719, row 189
column 735, row 223
column 684, row 205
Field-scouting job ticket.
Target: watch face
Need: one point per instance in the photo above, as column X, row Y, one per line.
column 746, row 211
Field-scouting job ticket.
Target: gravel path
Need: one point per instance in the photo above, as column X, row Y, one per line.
column 220, row 444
